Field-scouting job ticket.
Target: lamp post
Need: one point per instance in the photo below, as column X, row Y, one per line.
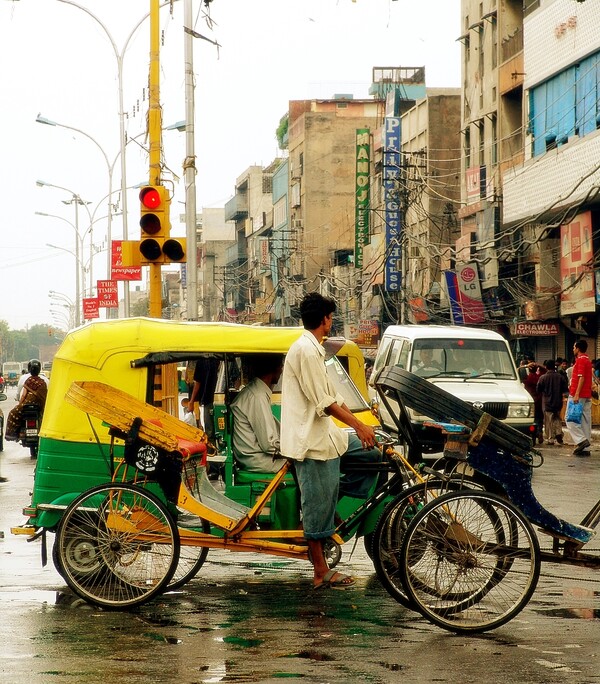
column 119, row 56
column 109, row 167
column 61, row 300
column 75, row 200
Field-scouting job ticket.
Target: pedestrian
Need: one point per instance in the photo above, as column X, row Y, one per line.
column 315, row 443
column 203, row 391
column 522, row 370
column 580, row 391
column 534, row 373
column 552, row 386
column 561, row 367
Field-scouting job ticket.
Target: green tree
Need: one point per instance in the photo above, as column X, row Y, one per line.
column 282, row 132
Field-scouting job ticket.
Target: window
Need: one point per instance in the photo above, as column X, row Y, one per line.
column 565, row 105
column 467, row 147
column 494, row 126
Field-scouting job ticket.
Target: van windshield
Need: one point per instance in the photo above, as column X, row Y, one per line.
column 462, row 358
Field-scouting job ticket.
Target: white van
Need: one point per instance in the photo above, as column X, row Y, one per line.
column 473, row 364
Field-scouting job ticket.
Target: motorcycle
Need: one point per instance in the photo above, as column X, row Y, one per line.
column 29, row 434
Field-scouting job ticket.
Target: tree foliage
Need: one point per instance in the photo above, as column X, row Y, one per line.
column 282, row 132
column 22, row 345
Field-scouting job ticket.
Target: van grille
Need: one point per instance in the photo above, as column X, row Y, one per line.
column 496, row 409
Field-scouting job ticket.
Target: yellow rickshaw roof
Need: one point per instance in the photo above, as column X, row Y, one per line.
column 90, row 344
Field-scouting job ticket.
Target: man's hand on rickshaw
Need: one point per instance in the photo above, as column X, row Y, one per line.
column 366, row 434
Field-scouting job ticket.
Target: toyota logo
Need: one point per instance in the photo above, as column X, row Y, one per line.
column 478, row 404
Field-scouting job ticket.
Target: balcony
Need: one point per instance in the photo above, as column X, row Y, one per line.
column 236, row 254
column 236, row 208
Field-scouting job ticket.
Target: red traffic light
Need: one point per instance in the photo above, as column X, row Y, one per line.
column 150, row 197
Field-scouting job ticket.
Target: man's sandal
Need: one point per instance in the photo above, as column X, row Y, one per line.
column 335, row 580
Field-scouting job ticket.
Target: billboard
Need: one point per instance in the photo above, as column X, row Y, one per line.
column 363, row 176
column 392, row 213
column 578, row 290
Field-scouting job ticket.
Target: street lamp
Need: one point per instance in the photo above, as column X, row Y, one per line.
column 119, row 56
column 110, row 168
column 76, row 200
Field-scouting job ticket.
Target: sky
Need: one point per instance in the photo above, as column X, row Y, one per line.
column 58, row 62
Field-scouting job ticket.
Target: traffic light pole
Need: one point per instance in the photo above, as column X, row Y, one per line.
column 154, row 136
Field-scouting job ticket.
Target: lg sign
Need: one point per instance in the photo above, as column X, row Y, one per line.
column 468, row 274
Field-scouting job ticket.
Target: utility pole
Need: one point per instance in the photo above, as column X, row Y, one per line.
column 190, row 168
column 154, row 136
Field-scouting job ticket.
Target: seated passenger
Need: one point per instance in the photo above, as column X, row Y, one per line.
column 255, row 428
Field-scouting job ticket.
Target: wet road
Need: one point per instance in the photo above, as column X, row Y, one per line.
column 250, row 618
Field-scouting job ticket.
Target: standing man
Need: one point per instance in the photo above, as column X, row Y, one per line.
column 203, row 391
column 311, row 438
column 552, row 386
column 580, row 390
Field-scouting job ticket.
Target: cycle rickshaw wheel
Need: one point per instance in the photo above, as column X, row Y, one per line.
column 191, row 559
column 126, row 544
column 392, row 525
column 470, row 561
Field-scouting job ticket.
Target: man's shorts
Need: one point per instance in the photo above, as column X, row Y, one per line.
column 319, row 484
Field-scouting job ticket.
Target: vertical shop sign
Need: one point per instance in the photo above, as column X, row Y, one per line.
column 363, row 174
column 469, row 289
column 392, row 212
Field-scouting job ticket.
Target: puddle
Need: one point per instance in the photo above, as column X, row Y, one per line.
column 571, row 613
column 28, row 596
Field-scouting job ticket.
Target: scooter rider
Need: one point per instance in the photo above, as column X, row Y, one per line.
column 34, row 392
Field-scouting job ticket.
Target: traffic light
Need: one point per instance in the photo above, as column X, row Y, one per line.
column 156, row 245
column 174, row 249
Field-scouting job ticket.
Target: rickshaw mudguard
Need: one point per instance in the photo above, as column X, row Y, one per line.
column 65, row 466
column 49, row 517
column 515, row 474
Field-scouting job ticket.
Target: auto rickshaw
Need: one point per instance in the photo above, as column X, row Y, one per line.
column 140, row 358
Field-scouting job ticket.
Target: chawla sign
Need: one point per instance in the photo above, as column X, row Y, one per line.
column 534, row 329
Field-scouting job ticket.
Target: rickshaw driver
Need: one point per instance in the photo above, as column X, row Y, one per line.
column 314, row 442
column 255, row 428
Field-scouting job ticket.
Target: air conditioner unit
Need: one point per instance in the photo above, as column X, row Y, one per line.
column 297, row 223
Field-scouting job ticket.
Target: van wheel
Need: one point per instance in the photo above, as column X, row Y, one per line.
column 431, row 400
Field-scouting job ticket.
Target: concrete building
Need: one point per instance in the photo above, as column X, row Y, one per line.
column 551, row 200
column 430, row 145
column 248, row 286
column 215, row 236
column 322, row 195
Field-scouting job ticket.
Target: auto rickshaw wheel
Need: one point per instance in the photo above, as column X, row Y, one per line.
column 129, row 543
column 80, row 552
